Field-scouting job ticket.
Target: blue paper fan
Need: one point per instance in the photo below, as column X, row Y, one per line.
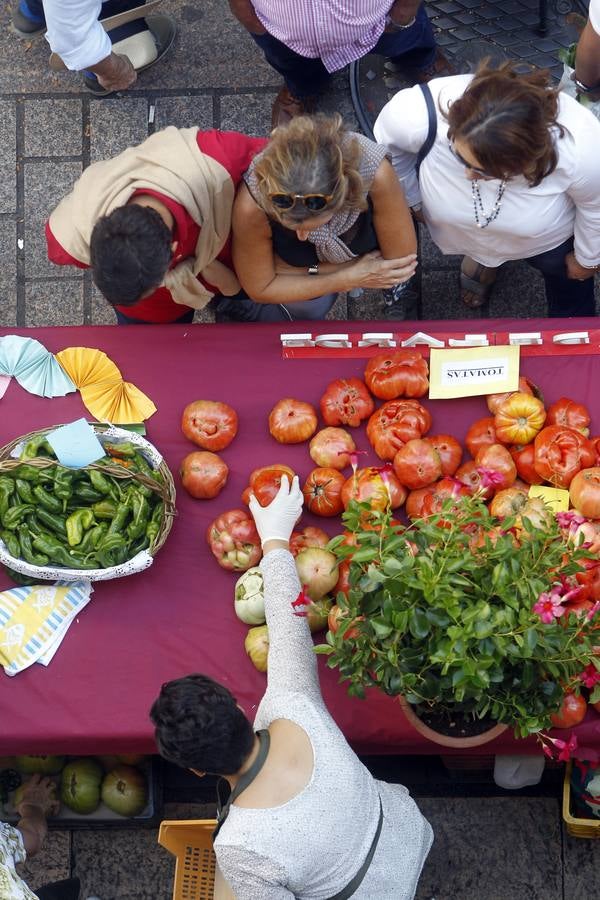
column 34, row 367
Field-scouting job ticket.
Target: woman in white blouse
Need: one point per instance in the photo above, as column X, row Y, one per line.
column 513, row 173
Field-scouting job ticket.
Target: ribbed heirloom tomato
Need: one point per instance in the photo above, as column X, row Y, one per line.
column 560, row 453
column 417, row 464
column 569, row 414
column 523, row 457
column 395, row 423
column 397, row 373
column 481, row 433
column 525, row 387
column 519, row 418
column 584, row 492
column 209, row 423
column 498, row 459
column 234, row 541
column 323, row 492
column 346, row 401
column 367, row 485
column 449, row 449
column 265, row 482
column 292, row 421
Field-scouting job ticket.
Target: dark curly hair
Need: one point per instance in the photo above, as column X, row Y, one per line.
column 508, row 120
column 130, row 251
column 199, row 726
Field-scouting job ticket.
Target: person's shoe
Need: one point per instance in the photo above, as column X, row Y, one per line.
column 286, row 106
column 397, row 299
column 25, row 24
column 439, row 68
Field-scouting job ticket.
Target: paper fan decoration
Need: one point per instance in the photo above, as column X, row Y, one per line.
column 4, row 383
column 119, row 403
column 87, row 366
column 34, row 367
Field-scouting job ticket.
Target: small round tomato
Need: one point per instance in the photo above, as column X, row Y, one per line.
column 417, row 464
column 482, row 433
column 572, row 711
column 416, row 500
column 209, row 423
column 560, row 453
column 310, row 536
column 523, row 456
column 203, row 474
column 498, row 459
column 470, row 476
column 584, row 492
column 331, row 448
column 323, row 492
column 292, row 421
column 336, row 614
column 450, row 451
column 397, row 373
column 519, row 418
column 234, row 541
column 371, row 486
column 346, row 401
column 343, row 582
column 569, row 414
column 395, row 423
column 438, row 493
column 266, row 481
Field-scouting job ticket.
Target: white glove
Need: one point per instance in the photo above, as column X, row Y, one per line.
column 276, row 521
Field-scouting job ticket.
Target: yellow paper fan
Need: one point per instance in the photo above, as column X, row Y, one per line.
column 120, row 403
column 86, row 366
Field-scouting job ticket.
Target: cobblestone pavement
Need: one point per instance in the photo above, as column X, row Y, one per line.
column 509, row 848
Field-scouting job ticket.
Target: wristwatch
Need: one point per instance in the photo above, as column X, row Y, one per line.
column 395, row 26
column 313, row 270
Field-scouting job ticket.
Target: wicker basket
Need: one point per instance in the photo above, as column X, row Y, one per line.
column 577, row 827
column 165, row 488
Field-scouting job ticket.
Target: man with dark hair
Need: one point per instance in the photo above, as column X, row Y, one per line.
column 154, row 223
column 296, row 785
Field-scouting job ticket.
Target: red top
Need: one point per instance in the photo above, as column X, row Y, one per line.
column 235, row 152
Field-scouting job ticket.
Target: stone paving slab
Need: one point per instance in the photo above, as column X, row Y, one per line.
column 53, row 863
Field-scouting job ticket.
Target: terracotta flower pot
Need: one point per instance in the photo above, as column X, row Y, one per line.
column 446, row 740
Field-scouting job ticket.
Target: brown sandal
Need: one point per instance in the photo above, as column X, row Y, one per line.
column 478, row 283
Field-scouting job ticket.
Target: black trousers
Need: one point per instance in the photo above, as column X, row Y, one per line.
column 60, row 890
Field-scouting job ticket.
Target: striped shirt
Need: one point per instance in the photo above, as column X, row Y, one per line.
column 335, row 31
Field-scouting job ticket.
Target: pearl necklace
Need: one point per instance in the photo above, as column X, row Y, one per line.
column 478, row 204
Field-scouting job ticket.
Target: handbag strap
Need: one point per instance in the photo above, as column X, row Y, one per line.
column 431, row 126
column 355, row 883
column 244, row 780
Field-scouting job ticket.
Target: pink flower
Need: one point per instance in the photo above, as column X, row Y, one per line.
column 592, row 612
column 548, row 606
column 570, row 520
column 301, row 600
column 489, row 478
column 554, row 748
column 590, row 676
column 354, row 458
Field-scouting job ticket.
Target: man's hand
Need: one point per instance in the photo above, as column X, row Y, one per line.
column 402, row 12
column 244, row 13
column 575, row 270
column 115, row 73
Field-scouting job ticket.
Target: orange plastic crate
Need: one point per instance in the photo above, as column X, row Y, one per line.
column 190, row 841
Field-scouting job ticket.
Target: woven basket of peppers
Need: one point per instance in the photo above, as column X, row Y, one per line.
column 102, row 521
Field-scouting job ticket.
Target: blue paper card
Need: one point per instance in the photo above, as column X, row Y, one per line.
column 76, row 444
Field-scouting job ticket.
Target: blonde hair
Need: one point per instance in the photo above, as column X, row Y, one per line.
column 311, row 155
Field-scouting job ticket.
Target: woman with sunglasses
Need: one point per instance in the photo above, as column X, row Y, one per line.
column 512, row 174
column 321, row 211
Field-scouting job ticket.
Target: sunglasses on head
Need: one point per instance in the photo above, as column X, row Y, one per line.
column 313, row 202
column 466, row 164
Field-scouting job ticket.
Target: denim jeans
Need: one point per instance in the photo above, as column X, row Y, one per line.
column 35, row 9
column 245, row 310
column 304, row 77
column 565, row 296
column 60, row 890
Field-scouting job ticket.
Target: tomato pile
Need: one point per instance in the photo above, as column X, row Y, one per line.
column 520, row 443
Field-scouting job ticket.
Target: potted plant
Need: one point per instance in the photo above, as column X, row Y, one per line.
column 476, row 622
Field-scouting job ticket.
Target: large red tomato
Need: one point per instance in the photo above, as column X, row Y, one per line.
column 519, row 418
column 367, row 486
column 523, row 457
column 417, row 464
column 584, row 492
column 234, row 541
column 416, row 500
column 397, row 373
column 265, row 482
column 331, row 447
column 572, row 711
column 560, row 453
column 292, row 421
column 449, row 449
column 346, row 401
column 310, row 536
column 470, row 476
column 482, row 433
column 394, row 423
column 209, row 423
column 323, row 492
column 497, row 458
column 203, row 474
column 569, row 414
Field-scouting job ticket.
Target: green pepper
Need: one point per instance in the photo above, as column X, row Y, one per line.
column 11, row 542
column 36, row 447
column 7, row 489
column 111, row 542
column 118, row 523
column 142, row 544
column 140, row 510
column 154, row 524
column 84, row 491
column 36, row 559
column 24, row 490
column 52, row 521
column 54, row 550
column 92, row 538
column 27, row 472
column 100, row 482
column 13, row 517
column 63, row 484
column 46, row 499
column 126, row 450
column 78, row 522
column 114, row 557
column 106, row 509
column 18, row 578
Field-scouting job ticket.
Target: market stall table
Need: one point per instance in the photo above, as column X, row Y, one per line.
column 178, row 617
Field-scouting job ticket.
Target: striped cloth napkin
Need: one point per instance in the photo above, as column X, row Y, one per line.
column 34, row 620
